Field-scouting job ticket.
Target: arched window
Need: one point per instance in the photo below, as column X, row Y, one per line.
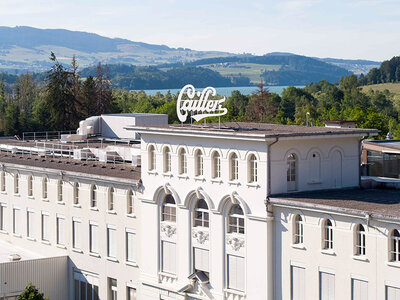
column 167, row 160
column 298, row 231
column 395, row 246
column 252, row 168
column 201, row 214
column 236, row 219
column 93, row 196
column 234, row 167
column 3, row 181
column 292, row 172
column 168, row 209
column 16, row 183
column 360, row 240
column 30, row 186
column 111, row 199
column 152, row 158
column 44, row 188
column 216, row 165
column 199, row 171
column 60, row 190
column 129, row 203
column 76, row 193
column 182, row 161
column 327, row 239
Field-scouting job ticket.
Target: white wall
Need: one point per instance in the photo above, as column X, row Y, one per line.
column 125, row 274
column 373, row 268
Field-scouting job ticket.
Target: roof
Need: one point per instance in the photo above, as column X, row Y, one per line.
column 375, row 202
column 124, row 171
column 254, row 129
column 385, row 146
column 7, row 249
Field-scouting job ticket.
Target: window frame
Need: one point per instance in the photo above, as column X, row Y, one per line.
column 327, row 235
column 204, row 219
column 394, row 253
column 152, row 158
column 360, row 240
column 199, row 163
column 93, row 196
column 252, row 169
column 298, row 230
column 168, row 210
column 16, row 183
column 167, row 157
column 234, row 167
column 45, row 186
column 182, row 161
column 130, row 209
column 111, row 199
column 216, row 165
column 76, row 193
column 234, row 221
column 30, row 186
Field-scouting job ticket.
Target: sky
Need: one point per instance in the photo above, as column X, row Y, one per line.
column 352, row 29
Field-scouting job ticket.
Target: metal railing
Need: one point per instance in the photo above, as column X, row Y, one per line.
column 61, row 151
column 44, row 135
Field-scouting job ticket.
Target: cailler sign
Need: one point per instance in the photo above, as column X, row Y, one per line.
column 199, row 108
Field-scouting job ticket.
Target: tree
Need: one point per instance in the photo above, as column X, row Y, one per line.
column 60, row 98
column 88, row 96
column 263, row 106
column 12, row 119
column 104, row 92
column 31, row 293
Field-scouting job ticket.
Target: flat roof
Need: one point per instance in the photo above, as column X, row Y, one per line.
column 254, row 129
column 383, row 146
column 122, row 171
column 376, row 202
column 7, row 249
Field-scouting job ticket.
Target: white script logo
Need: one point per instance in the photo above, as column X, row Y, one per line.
column 204, row 107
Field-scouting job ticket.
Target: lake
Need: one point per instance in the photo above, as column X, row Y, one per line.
column 227, row 91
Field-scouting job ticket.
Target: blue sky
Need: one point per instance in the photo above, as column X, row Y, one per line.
column 365, row 29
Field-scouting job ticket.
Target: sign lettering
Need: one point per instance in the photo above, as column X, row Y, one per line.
column 200, row 108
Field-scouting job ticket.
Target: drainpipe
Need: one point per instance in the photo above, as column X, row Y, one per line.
column 270, row 231
column 359, row 158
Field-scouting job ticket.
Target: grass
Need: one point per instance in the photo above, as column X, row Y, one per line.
column 252, row 71
column 393, row 88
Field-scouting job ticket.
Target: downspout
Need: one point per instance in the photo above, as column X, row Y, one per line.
column 271, row 268
column 359, row 158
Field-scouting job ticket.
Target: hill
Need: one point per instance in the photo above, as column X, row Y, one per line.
column 273, row 69
column 393, row 88
column 27, row 49
column 356, row 66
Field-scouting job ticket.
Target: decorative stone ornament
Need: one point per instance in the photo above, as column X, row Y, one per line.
column 168, row 229
column 235, row 242
column 200, row 236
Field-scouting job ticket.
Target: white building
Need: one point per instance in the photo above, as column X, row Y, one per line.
column 237, row 211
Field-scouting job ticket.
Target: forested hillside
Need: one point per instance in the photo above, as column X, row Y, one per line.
column 389, row 71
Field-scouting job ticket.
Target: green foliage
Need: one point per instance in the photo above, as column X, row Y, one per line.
column 31, row 293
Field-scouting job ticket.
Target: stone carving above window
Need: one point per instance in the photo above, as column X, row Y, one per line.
column 200, row 235
column 168, row 229
column 235, row 242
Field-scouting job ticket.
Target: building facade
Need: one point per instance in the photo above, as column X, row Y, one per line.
column 238, row 211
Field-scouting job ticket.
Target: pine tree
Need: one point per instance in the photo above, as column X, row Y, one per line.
column 60, row 98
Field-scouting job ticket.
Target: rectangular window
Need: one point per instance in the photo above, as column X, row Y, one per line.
column 392, row 293
column 45, row 227
column 2, row 216
column 201, row 260
column 327, row 286
column 16, row 221
column 30, row 224
column 297, row 284
column 76, row 234
column 168, row 259
column 111, row 242
column 60, row 230
column 112, row 288
column 130, row 246
column 131, row 293
column 235, row 272
column 94, row 238
column 359, row 289
column 85, row 291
